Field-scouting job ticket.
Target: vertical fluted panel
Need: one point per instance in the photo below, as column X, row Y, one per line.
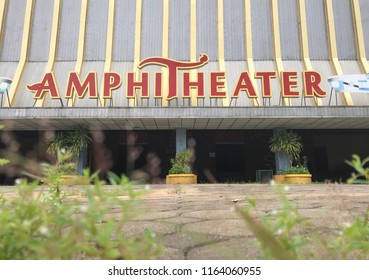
column 179, row 29
column 262, row 32
column 12, row 38
column 97, row 23
column 207, row 29
column 124, row 30
column 41, row 30
column 364, row 8
column 345, row 36
column 317, row 31
column 152, row 28
column 289, row 29
column 68, row 32
column 234, row 30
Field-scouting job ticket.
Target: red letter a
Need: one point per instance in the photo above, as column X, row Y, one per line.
column 48, row 84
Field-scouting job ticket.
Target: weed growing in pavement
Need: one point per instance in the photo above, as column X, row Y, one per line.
column 362, row 172
column 286, row 234
column 277, row 234
column 42, row 223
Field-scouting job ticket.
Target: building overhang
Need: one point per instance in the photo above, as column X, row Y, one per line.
column 152, row 118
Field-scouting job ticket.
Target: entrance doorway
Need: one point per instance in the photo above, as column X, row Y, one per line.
column 129, row 158
column 230, row 162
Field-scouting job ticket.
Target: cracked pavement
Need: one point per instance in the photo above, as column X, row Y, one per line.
column 200, row 221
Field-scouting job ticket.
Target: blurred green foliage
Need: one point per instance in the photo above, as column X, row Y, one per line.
column 362, row 173
column 44, row 223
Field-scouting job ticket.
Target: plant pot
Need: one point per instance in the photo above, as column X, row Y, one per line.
column 181, row 179
column 70, row 180
column 297, row 178
column 279, row 179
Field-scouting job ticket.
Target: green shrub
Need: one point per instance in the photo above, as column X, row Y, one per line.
column 180, row 169
column 294, row 170
column 62, row 169
column 43, row 223
column 181, row 163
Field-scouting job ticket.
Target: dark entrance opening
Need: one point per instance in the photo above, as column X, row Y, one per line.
column 140, row 155
column 129, row 158
column 321, row 163
column 230, row 162
column 237, row 155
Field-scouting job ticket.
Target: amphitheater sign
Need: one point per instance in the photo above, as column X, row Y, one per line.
column 166, row 82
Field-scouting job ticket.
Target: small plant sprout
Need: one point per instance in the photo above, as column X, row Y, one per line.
column 362, row 172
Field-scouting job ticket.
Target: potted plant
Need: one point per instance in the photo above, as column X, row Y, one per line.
column 71, row 146
column 65, row 173
column 74, row 141
column 288, row 144
column 297, row 175
column 180, row 172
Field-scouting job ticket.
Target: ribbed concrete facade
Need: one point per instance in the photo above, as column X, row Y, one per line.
column 234, row 34
column 83, row 37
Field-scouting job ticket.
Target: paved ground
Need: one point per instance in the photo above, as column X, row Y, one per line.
column 200, row 221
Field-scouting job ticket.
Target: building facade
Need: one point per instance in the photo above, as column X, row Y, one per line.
column 222, row 73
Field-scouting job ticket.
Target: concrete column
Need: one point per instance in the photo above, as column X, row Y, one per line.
column 82, row 161
column 281, row 158
column 281, row 161
column 181, row 139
